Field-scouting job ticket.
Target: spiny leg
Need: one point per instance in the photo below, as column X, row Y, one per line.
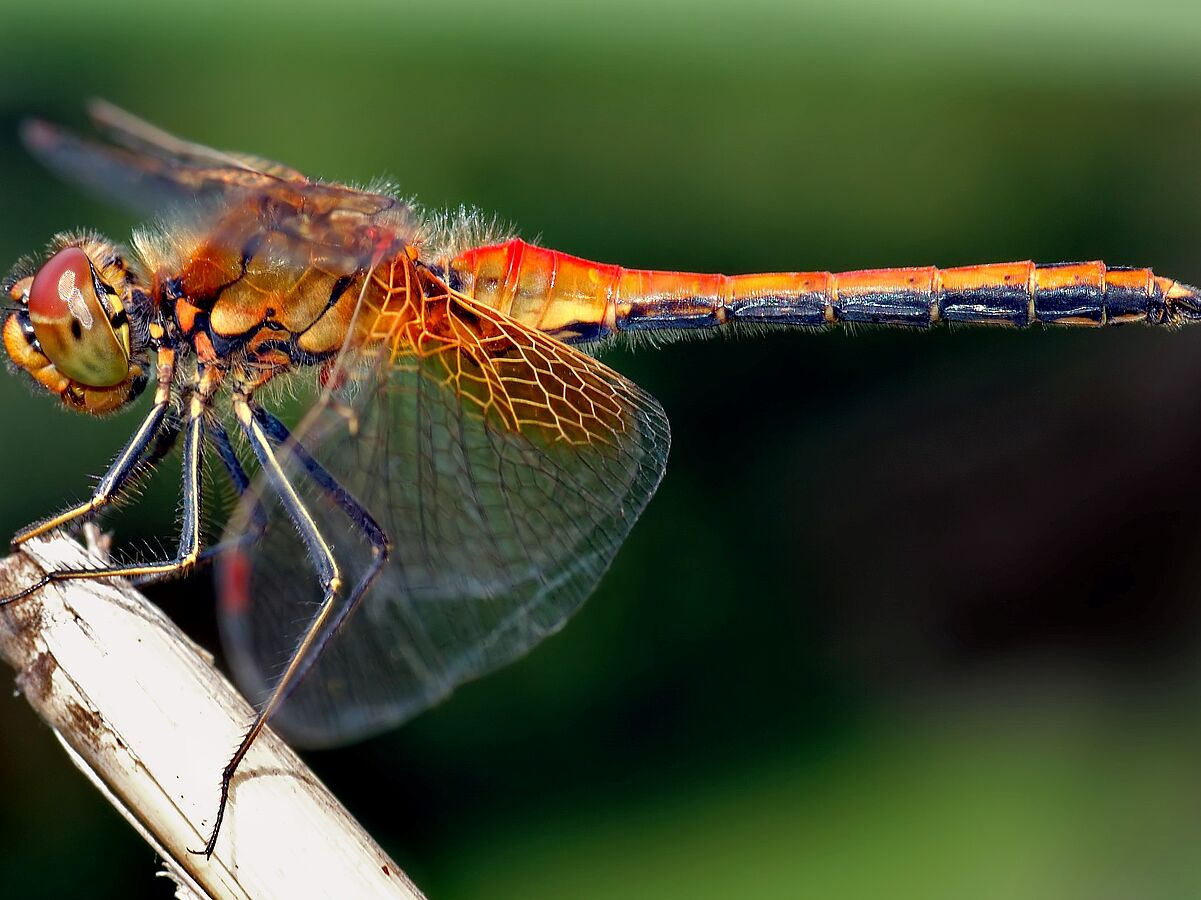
column 358, row 514
column 360, row 518
column 96, row 540
column 160, row 448
column 322, row 557
column 219, row 438
column 189, row 539
column 241, row 483
column 123, row 467
column 99, row 541
column 168, row 435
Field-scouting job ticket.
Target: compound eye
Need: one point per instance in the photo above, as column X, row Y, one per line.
column 71, row 323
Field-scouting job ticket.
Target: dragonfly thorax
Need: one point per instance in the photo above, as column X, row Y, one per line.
column 70, row 329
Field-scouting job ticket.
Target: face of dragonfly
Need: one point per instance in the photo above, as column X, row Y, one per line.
column 69, row 325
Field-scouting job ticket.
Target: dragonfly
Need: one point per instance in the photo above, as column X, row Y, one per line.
column 464, row 468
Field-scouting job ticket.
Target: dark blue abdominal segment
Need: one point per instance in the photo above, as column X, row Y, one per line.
column 1013, row 294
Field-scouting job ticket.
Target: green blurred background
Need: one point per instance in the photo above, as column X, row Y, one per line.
column 912, row 615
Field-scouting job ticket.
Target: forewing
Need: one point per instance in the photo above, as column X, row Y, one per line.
column 137, row 182
column 506, row 468
column 138, row 135
column 150, row 171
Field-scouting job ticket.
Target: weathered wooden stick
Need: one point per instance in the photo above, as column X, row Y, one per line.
column 145, row 715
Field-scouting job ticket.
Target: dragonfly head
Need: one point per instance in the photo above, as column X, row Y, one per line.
column 68, row 324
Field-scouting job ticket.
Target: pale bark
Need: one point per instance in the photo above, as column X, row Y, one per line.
column 144, row 714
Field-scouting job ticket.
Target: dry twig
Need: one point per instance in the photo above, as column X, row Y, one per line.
column 144, row 714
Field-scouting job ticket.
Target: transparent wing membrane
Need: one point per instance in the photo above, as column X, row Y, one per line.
column 505, row 467
column 149, row 171
column 141, row 137
column 142, row 183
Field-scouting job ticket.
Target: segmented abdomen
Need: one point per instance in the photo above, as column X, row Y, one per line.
column 580, row 300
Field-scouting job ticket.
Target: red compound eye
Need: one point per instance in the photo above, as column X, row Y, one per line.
column 71, row 323
column 62, row 290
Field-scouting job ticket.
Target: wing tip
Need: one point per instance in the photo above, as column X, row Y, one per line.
column 98, row 107
column 106, row 116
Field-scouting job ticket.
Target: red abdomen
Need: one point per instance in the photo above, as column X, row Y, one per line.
column 580, row 300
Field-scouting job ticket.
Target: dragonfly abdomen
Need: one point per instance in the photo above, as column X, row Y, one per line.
column 1016, row 294
column 580, row 300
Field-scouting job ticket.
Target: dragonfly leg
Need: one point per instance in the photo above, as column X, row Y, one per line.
column 355, row 511
column 127, row 463
column 164, row 442
column 262, row 429
column 381, row 544
column 322, row 557
column 100, row 541
column 189, row 539
column 219, row 438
